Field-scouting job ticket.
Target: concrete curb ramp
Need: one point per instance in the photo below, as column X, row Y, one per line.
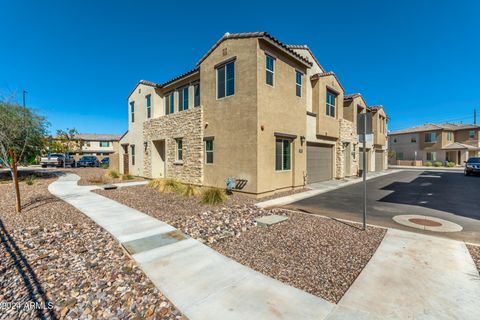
column 202, row 283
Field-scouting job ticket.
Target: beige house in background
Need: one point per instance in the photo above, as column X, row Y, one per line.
column 452, row 142
column 254, row 109
column 99, row 145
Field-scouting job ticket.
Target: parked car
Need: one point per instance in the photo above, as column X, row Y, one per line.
column 105, row 162
column 57, row 160
column 472, row 166
column 88, row 161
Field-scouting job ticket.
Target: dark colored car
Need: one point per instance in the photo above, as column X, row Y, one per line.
column 88, row 161
column 472, row 166
column 105, row 162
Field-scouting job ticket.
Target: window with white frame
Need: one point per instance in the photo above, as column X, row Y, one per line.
column 209, row 151
column 430, row 137
column 149, row 105
column 471, row 134
column 226, row 80
column 183, row 99
column 330, row 104
column 132, row 153
column 196, row 98
column 283, row 155
column 132, row 111
column 298, row 83
column 269, row 69
column 104, row 144
column 431, row 156
column 169, row 103
column 450, row 136
column 179, row 153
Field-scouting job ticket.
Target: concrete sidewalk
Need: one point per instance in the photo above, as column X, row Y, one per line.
column 202, row 283
column 414, row 276
column 319, row 188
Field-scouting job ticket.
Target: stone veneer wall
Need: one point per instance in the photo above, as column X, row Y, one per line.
column 187, row 125
column 348, row 133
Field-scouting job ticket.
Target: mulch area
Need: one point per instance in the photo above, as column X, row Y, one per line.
column 318, row 255
column 53, row 256
column 475, row 253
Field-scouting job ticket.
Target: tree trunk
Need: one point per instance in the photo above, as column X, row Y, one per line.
column 14, row 172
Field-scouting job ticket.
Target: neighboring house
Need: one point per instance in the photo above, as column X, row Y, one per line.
column 99, row 145
column 254, row 109
column 453, row 142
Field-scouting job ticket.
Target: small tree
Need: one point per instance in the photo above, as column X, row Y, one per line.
column 22, row 133
column 66, row 141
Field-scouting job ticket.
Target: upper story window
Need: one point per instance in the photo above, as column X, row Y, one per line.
column 104, row 144
column 196, row 98
column 283, row 155
column 132, row 110
column 183, row 99
column 269, row 69
column 149, row 105
column 226, row 80
column 132, row 150
column 450, row 136
column 471, row 134
column 330, row 105
column 179, row 153
column 209, row 151
column 413, row 139
column 87, row 143
column 298, row 83
column 169, row 103
column 430, row 137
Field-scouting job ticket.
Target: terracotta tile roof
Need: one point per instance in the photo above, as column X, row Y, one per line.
column 305, row 47
column 351, row 96
column 263, row 35
column 376, row 108
column 326, row 74
column 459, row 146
column 179, row 77
column 434, row 127
column 148, row 83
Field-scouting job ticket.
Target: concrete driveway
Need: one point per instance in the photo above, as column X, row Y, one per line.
column 442, row 194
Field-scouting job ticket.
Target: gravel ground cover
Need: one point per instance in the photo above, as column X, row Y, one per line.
column 91, row 176
column 475, row 252
column 318, row 255
column 55, row 258
column 206, row 223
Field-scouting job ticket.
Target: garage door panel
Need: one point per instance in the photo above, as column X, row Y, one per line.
column 379, row 155
column 319, row 162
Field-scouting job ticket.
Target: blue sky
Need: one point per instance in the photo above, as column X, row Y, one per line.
column 79, row 60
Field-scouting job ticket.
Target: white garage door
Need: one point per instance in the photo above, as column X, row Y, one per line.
column 319, row 162
column 379, row 157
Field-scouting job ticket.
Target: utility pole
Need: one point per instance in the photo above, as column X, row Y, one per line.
column 24, row 94
column 474, row 116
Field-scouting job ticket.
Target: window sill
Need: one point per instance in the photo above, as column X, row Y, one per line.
column 178, row 163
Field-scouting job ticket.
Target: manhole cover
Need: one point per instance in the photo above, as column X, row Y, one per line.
column 425, row 222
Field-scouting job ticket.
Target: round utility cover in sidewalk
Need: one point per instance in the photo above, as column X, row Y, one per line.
column 427, row 223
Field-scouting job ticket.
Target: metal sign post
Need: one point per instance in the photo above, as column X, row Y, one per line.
column 365, row 172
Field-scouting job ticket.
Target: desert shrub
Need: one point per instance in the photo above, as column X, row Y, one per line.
column 98, row 179
column 450, row 164
column 213, row 196
column 113, row 174
column 437, row 163
column 190, row 191
column 30, row 179
column 167, row 185
column 127, row 176
column 428, row 163
column 104, row 166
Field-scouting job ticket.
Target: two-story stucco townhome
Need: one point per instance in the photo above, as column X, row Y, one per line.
column 253, row 109
column 453, row 142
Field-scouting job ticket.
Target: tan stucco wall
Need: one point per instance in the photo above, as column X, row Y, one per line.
column 327, row 126
column 232, row 121
column 280, row 110
column 428, row 145
column 380, row 136
column 462, row 136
